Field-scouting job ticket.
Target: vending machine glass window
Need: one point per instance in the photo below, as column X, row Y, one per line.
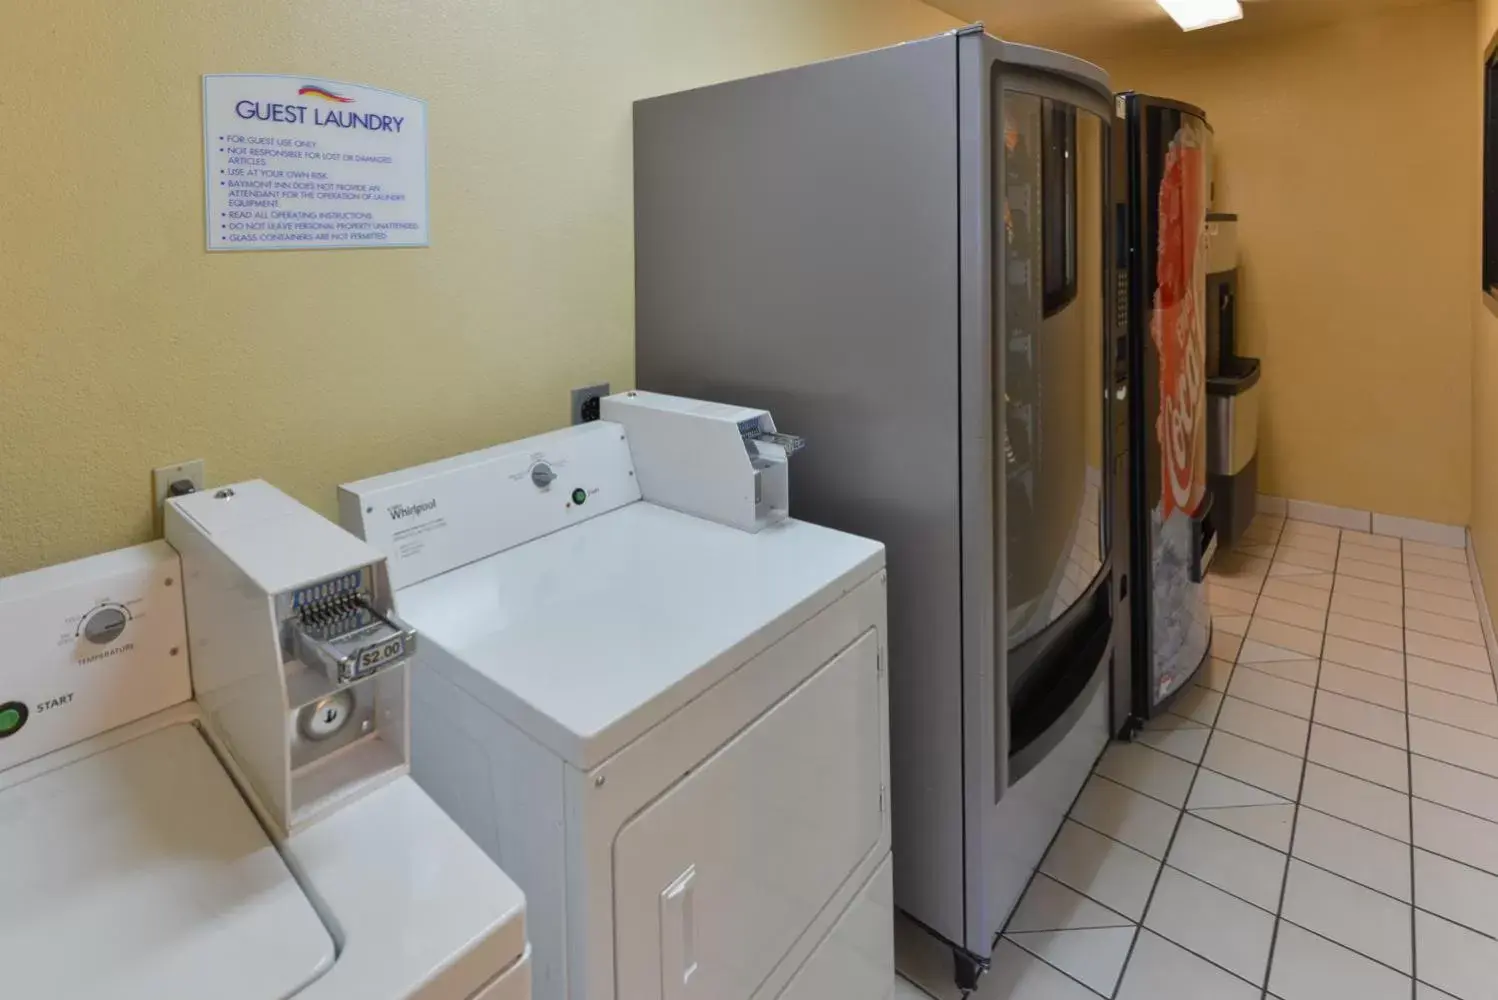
column 1058, row 170
column 1052, row 334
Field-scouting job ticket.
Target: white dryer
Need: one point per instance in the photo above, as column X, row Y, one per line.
column 141, row 865
column 655, row 699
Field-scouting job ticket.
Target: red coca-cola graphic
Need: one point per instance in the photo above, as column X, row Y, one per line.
column 1178, row 325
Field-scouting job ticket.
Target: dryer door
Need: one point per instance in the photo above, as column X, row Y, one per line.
column 719, row 877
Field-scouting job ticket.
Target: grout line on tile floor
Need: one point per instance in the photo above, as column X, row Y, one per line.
column 1470, row 815
column 1195, row 723
column 1453, row 620
column 1215, row 888
column 1361, row 670
column 1360, row 826
column 1189, row 951
column 1053, row 967
column 1108, row 836
column 1037, row 873
column 1454, row 694
column 1459, row 767
column 1255, row 668
column 1361, row 736
column 1248, row 902
column 1349, row 774
column 1435, row 993
column 1140, row 929
column 1268, row 708
column 1295, row 812
column 1409, row 764
column 1266, row 746
column 1457, row 923
column 1308, row 864
column 1217, row 713
column 1279, row 910
column 1480, row 671
column 1197, row 811
column 1148, row 900
column 1455, row 861
column 1152, row 798
column 1447, row 638
column 1174, row 832
column 1213, row 885
column 1377, row 961
column 1453, row 725
column 1201, row 815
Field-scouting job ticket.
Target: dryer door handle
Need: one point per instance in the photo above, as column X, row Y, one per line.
column 679, row 936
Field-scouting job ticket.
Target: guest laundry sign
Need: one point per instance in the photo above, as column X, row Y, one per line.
column 295, row 162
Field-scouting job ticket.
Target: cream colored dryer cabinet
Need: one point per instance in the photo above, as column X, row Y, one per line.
column 752, row 844
column 671, row 731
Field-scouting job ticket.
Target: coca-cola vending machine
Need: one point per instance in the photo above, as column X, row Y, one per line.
column 1162, row 184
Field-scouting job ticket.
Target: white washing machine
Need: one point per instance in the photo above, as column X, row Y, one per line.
column 656, row 700
column 140, row 864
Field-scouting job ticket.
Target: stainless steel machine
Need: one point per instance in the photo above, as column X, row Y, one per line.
column 901, row 253
column 1232, row 390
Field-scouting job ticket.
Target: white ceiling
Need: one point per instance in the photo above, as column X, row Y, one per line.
column 1091, row 24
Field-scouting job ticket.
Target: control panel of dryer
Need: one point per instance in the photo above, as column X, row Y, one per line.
column 88, row 646
column 436, row 517
column 722, row 463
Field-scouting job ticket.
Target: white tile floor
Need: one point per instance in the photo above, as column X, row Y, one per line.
column 1317, row 818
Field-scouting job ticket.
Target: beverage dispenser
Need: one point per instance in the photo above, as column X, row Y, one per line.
column 1232, row 390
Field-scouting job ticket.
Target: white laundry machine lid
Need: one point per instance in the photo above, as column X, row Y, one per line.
column 587, row 637
column 140, row 873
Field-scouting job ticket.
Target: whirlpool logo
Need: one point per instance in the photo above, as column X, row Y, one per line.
column 400, row 510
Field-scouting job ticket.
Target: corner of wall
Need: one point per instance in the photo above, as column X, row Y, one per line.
column 1484, row 368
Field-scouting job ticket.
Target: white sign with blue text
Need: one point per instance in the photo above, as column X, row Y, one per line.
column 295, row 162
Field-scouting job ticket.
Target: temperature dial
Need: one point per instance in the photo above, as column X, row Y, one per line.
column 105, row 626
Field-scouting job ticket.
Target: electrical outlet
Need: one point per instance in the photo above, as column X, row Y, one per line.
column 163, row 478
column 585, row 402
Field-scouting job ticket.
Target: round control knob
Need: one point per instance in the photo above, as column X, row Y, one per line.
column 326, row 717
column 542, row 475
column 104, row 626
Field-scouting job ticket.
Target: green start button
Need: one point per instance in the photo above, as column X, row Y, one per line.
column 12, row 718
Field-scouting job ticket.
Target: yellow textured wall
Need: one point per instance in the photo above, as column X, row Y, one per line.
column 1484, row 365
column 124, row 345
column 1350, row 152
